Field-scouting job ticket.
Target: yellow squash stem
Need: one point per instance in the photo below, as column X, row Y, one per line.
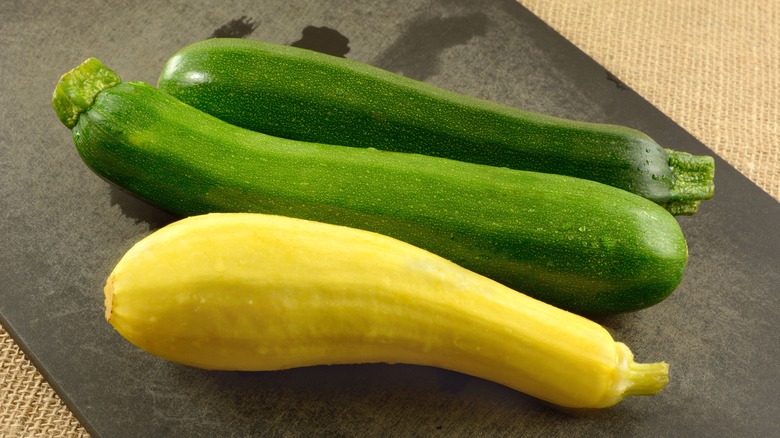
column 240, row 291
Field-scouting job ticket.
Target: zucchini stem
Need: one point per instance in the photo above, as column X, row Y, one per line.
column 692, row 181
column 76, row 90
column 646, row 378
column 639, row 378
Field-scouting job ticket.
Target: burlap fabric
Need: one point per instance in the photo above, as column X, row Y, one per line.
column 713, row 66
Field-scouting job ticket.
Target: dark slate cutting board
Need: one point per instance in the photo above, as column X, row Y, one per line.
column 63, row 229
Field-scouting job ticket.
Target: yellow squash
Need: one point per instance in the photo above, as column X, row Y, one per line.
column 240, row 291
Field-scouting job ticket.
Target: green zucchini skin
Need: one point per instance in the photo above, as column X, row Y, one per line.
column 577, row 244
column 304, row 95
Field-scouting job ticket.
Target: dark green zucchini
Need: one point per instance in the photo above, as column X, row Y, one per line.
column 577, row 244
column 304, row 95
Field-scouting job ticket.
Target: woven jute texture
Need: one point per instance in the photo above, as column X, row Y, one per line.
column 28, row 405
column 713, row 66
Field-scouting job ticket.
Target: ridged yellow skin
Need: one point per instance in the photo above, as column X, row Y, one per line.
column 239, row 291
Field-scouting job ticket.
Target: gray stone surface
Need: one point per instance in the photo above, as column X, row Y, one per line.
column 63, row 229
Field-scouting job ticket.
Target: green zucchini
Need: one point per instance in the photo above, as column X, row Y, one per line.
column 577, row 244
column 304, row 95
